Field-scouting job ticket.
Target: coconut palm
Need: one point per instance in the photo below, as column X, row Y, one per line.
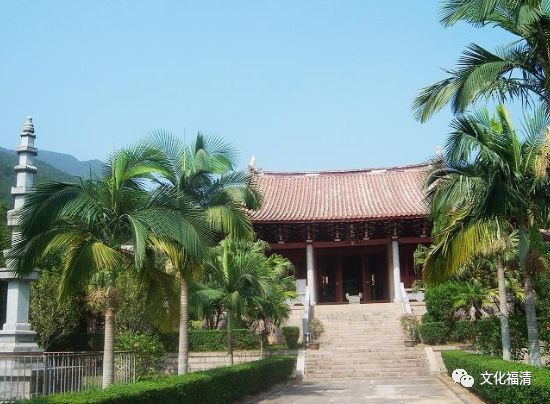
column 491, row 172
column 459, row 241
column 205, row 173
column 237, row 278
column 105, row 226
column 471, row 298
column 273, row 309
column 518, row 70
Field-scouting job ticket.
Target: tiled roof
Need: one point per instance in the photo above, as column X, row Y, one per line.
column 341, row 195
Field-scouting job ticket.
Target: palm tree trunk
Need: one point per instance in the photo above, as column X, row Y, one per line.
column 261, row 346
column 109, row 348
column 183, row 346
column 532, row 324
column 230, row 337
column 530, row 311
column 504, row 323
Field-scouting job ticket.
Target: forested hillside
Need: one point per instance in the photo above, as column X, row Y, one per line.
column 66, row 163
column 7, row 175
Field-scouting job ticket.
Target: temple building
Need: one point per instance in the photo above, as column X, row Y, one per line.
column 348, row 233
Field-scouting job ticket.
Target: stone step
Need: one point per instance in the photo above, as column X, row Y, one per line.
column 350, row 351
column 349, row 361
column 369, row 365
column 365, row 369
column 368, row 306
column 365, row 342
column 364, row 354
column 373, row 360
column 366, row 323
column 363, row 375
column 359, row 337
column 362, row 341
column 361, row 346
column 351, row 354
column 357, row 316
column 381, row 334
column 360, row 325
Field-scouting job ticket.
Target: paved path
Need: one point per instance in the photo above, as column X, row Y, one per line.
column 414, row 390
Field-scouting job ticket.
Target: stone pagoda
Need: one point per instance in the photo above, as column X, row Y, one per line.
column 16, row 334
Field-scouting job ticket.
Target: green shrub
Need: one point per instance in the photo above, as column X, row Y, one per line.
column 216, row 340
column 209, row 340
column 427, row 318
column 196, row 325
column 489, row 339
column 221, row 385
column 78, row 342
column 411, row 327
column 316, row 329
column 475, row 365
column 149, row 351
column 440, row 302
column 464, row 331
column 213, row 340
column 434, row 333
column 244, row 339
column 291, row 334
column 544, row 329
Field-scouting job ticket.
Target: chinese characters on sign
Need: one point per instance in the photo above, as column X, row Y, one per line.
column 506, row 378
column 495, row 379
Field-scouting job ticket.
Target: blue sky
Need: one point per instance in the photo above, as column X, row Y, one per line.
column 303, row 85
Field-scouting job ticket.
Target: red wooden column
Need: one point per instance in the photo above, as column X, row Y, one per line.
column 339, row 283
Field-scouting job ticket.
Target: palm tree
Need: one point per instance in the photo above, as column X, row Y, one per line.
column 490, row 173
column 273, row 309
column 106, row 226
column 471, row 298
column 204, row 173
column 238, row 278
column 459, row 240
column 518, row 70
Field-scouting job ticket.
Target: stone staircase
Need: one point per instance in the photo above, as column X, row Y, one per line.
column 361, row 342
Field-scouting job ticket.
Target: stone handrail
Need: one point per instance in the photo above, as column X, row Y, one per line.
column 406, row 306
column 306, row 316
column 301, row 360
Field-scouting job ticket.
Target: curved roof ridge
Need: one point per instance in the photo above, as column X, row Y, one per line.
column 345, row 171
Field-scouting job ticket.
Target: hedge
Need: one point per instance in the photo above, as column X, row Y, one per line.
column 291, row 334
column 148, row 349
column 464, row 331
column 213, row 340
column 475, row 365
column 489, row 337
column 220, row 385
column 78, row 342
column 434, row 333
column 440, row 302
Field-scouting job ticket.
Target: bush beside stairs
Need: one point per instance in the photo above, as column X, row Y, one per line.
column 361, row 342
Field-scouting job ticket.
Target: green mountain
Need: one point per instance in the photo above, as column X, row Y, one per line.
column 67, row 163
column 8, row 160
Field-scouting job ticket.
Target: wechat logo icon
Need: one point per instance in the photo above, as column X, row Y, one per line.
column 462, row 377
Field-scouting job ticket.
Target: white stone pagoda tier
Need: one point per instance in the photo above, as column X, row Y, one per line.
column 16, row 334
